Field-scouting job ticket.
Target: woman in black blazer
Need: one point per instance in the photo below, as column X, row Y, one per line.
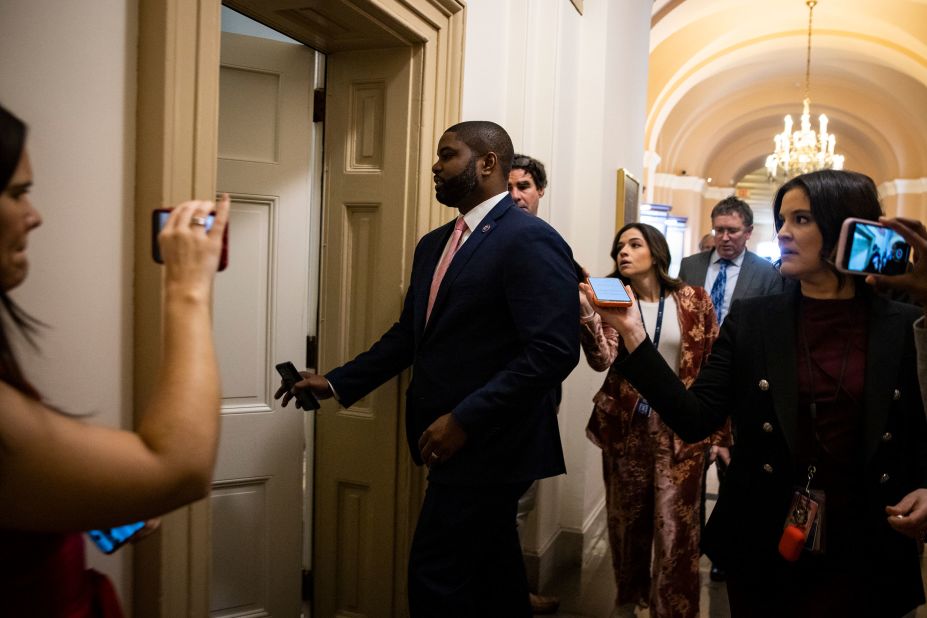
column 821, row 385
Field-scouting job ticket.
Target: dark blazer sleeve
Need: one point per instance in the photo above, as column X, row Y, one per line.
column 920, row 341
column 541, row 293
column 385, row 359
column 697, row 412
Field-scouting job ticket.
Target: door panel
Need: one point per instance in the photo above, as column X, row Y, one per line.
column 265, row 139
column 363, row 280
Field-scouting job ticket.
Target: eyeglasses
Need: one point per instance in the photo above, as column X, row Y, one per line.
column 730, row 231
column 521, row 161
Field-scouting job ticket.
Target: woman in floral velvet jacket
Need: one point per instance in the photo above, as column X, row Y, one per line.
column 652, row 478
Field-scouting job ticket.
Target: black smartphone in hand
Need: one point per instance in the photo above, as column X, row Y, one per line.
column 290, row 376
column 159, row 218
column 111, row 539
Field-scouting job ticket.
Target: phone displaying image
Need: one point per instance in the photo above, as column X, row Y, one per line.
column 113, row 538
column 870, row 247
column 159, row 218
column 609, row 292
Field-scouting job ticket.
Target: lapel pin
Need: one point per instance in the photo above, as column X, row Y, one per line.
column 486, row 228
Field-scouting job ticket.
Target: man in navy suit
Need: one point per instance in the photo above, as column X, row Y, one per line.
column 489, row 329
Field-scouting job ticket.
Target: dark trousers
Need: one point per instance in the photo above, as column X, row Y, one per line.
column 721, row 468
column 466, row 557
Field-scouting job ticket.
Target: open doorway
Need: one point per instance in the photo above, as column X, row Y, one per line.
column 399, row 63
column 269, row 162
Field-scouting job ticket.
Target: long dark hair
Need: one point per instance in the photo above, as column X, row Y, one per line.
column 12, row 142
column 659, row 250
column 835, row 195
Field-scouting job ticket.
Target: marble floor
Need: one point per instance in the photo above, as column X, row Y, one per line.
column 589, row 592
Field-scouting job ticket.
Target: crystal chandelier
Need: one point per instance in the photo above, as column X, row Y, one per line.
column 804, row 151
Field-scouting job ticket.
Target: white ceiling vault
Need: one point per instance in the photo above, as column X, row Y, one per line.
column 724, row 73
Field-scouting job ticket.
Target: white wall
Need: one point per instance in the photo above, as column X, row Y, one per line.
column 68, row 70
column 571, row 90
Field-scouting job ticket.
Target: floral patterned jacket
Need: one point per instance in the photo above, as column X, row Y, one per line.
column 610, row 422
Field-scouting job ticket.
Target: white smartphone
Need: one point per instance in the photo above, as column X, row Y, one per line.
column 870, row 247
column 609, row 292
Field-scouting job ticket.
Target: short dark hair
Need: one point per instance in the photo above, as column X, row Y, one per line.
column 659, row 249
column 483, row 136
column 531, row 166
column 835, row 195
column 731, row 205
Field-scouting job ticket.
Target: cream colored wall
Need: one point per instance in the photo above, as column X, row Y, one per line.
column 68, row 70
column 575, row 99
column 905, row 198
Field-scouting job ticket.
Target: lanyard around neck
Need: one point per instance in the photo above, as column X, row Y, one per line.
column 659, row 326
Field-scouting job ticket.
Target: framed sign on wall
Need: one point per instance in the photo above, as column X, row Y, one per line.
column 627, row 199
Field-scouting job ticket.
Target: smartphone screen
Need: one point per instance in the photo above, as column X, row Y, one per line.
column 159, row 218
column 610, row 291
column 873, row 248
column 113, row 538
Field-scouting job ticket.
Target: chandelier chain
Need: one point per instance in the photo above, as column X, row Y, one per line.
column 811, row 4
column 804, row 150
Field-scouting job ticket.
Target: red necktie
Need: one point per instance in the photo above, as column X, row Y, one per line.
column 459, row 228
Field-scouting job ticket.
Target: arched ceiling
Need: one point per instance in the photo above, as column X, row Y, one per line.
column 724, row 73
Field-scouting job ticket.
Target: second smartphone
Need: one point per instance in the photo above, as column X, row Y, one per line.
column 870, row 247
column 159, row 218
column 609, row 292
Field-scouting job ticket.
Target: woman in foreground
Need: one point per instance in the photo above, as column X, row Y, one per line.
column 60, row 475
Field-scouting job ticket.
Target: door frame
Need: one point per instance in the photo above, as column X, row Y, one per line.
column 177, row 129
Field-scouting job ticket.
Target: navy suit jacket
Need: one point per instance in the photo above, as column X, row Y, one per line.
column 501, row 337
column 757, row 277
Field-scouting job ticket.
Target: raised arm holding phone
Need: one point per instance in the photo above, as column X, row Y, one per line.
column 914, row 284
column 59, row 474
column 822, row 385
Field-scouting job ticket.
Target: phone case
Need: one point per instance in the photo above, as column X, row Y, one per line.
column 607, row 303
column 884, row 259
column 843, row 245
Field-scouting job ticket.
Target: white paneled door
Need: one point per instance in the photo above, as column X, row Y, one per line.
column 265, row 147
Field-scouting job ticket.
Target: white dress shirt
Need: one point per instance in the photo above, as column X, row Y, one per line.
column 733, row 270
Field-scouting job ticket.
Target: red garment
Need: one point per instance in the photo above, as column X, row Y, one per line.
column 42, row 575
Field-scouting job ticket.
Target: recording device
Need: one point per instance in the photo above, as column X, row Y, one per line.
column 306, row 399
column 870, row 247
column 609, row 292
column 111, row 539
column 159, row 218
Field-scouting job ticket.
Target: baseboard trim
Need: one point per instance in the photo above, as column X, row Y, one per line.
column 567, row 550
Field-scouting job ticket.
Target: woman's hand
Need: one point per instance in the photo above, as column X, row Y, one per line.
column 625, row 320
column 909, row 516
column 191, row 254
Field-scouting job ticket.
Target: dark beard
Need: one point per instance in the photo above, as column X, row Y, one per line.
column 453, row 190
